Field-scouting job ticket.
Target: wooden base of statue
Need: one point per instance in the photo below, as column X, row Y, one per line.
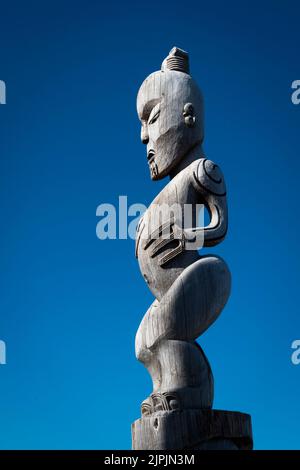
column 194, row 430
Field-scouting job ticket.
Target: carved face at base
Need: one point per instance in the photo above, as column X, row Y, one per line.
column 170, row 108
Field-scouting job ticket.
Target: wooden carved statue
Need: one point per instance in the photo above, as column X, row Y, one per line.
column 190, row 289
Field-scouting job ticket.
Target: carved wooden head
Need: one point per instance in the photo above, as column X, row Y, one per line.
column 170, row 108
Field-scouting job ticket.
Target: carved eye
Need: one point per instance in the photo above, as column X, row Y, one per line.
column 154, row 117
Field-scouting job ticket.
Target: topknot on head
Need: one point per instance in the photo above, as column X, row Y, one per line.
column 177, row 60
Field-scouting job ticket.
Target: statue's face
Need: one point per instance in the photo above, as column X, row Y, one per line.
column 161, row 109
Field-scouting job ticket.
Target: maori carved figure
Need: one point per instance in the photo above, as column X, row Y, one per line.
column 190, row 289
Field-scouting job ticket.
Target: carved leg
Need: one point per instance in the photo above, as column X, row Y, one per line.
column 165, row 339
column 189, row 307
column 181, row 376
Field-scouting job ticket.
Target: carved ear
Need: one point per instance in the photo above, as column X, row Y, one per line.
column 189, row 115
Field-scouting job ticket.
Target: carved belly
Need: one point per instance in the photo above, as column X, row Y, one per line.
column 161, row 255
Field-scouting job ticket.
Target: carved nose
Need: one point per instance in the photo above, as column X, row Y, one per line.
column 144, row 136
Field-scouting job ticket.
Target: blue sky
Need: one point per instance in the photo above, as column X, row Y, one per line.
column 70, row 304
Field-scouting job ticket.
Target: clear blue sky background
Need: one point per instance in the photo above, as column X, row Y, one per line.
column 70, row 304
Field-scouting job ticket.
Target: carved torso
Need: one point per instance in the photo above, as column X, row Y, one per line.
column 161, row 263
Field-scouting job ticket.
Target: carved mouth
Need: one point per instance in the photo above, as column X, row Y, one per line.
column 150, row 155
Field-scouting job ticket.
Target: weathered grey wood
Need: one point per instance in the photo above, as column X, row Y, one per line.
column 193, row 429
column 190, row 290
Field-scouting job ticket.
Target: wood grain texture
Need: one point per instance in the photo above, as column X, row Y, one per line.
column 193, row 429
